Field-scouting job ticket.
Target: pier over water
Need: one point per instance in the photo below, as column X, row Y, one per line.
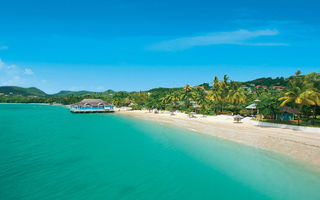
column 91, row 106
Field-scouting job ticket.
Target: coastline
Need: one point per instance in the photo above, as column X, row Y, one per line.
column 44, row 104
column 300, row 145
column 29, row 103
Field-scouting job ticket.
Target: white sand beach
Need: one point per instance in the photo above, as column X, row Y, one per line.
column 301, row 145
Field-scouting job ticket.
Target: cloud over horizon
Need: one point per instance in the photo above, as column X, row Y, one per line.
column 14, row 75
column 240, row 37
column 28, row 71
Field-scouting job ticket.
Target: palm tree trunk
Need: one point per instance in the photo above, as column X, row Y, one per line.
column 314, row 115
column 237, row 109
column 299, row 115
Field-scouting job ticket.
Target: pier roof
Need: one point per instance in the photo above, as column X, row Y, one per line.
column 92, row 102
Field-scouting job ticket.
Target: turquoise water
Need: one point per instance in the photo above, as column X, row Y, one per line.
column 48, row 153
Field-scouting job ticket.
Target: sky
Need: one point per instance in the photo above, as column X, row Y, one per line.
column 136, row 45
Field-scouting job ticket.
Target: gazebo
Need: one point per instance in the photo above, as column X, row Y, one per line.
column 91, row 105
column 252, row 107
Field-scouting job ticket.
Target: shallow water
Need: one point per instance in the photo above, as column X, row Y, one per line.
column 48, row 153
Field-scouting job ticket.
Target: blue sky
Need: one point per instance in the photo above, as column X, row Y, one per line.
column 138, row 45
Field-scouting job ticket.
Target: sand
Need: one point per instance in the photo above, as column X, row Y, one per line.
column 301, row 145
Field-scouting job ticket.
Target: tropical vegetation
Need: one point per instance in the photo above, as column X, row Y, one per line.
column 269, row 96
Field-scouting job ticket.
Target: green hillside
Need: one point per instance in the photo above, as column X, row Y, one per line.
column 268, row 81
column 14, row 90
column 65, row 93
column 161, row 90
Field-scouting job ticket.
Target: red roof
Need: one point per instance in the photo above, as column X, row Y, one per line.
column 277, row 87
column 262, row 86
column 201, row 87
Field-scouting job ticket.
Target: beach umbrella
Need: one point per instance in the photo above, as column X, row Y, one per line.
column 251, row 107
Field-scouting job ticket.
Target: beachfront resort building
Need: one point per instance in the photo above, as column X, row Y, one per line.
column 287, row 114
column 91, row 106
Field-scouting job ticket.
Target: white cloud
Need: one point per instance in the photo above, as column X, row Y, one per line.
column 28, row 71
column 240, row 37
column 3, row 47
column 74, row 88
column 100, row 88
column 14, row 75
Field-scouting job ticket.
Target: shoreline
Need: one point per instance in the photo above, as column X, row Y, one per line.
column 44, row 104
column 29, row 103
column 300, row 145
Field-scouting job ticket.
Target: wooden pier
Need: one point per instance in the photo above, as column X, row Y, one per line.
column 91, row 111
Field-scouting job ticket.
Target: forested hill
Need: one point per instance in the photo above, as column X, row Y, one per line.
column 14, row 90
column 163, row 89
column 279, row 81
column 32, row 91
column 65, row 93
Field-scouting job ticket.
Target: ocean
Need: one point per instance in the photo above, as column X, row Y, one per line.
column 48, row 153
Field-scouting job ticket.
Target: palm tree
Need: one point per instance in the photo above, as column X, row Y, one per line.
column 220, row 90
column 314, row 80
column 117, row 102
column 225, row 89
column 186, row 95
column 215, row 98
column 166, row 99
column 237, row 95
column 216, row 83
column 298, row 93
column 174, row 97
column 187, row 88
column 269, row 106
column 314, row 97
column 200, row 97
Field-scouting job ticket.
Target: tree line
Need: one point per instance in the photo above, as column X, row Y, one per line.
column 301, row 92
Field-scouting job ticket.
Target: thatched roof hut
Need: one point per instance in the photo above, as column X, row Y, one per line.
column 92, row 102
column 287, row 109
